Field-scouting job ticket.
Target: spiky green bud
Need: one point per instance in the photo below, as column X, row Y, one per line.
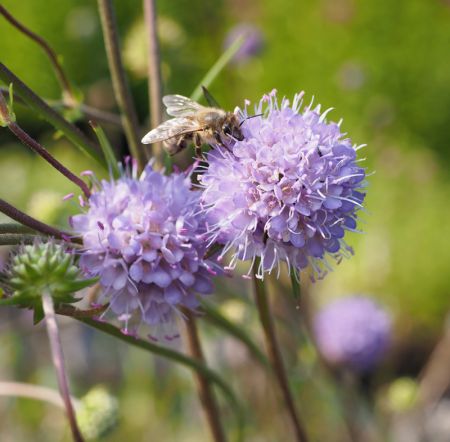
column 98, row 413
column 45, row 267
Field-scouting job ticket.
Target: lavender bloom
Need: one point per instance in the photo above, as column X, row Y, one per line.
column 288, row 192
column 352, row 332
column 143, row 238
column 253, row 41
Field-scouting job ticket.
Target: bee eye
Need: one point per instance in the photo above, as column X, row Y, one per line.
column 226, row 129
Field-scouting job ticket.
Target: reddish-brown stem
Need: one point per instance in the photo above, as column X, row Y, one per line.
column 62, row 78
column 275, row 357
column 205, row 391
column 58, row 363
column 33, row 223
column 43, row 152
column 40, row 150
column 154, row 74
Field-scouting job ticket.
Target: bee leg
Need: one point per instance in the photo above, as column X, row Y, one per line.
column 198, row 146
column 218, row 138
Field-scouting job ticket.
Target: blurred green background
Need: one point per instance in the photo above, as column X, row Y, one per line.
column 383, row 66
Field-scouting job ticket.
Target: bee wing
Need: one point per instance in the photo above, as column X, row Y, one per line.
column 171, row 128
column 179, row 106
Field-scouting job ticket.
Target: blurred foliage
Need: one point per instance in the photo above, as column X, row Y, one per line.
column 383, row 65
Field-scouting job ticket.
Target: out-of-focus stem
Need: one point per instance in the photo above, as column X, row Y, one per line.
column 275, row 356
column 46, row 112
column 58, row 362
column 37, row 392
column 119, row 81
column 68, row 94
column 12, row 239
column 154, row 75
column 205, row 391
column 31, row 222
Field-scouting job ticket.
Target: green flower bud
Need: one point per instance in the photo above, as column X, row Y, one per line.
column 98, row 413
column 45, row 267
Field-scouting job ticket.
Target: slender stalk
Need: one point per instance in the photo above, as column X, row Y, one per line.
column 30, row 222
column 205, row 392
column 54, row 118
column 275, row 356
column 15, row 228
column 216, row 69
column 39, row 149
column 58, row 362
column 154, row 75
column 38, row 392
column 12, row 239
column 68, row 93
column 88, row 111
column 119, row 81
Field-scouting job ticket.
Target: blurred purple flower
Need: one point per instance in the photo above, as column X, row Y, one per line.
column 288, row 192
column 353, row 332
column 253, row 41
column 143, row 237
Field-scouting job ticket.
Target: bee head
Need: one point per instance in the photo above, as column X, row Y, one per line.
column 232, row 129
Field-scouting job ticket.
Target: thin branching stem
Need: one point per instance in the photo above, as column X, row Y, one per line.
column 119, row 80
column 31, row 222
column 39, row 149
column 154, row 75
column 68, row 93
column 205, row 392
column 47, row 113
column 58, row 362
column 275, row 356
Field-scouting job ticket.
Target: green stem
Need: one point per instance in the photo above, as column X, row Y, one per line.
column 217, row 68
column 58, row 362
column 154, row 76
column 15, row 228
column 173, row 355
column 275, row 355
column 119, row 81
column 54, row 118
column 12, row 239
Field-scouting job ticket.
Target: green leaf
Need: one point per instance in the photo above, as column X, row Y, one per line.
column 38, row 313
column 209, row 98
column 295, row 283
column 108, row 151
column 217, row 68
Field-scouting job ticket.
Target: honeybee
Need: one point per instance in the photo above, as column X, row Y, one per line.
column 193, row 123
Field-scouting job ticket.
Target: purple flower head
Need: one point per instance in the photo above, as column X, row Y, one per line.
column 288, row 192
column 353, row 332
column 253, row 41
column 142, row 237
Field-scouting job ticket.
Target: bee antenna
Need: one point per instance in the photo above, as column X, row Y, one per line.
column 248, row 118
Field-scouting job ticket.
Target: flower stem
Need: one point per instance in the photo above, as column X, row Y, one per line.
column 154, row 75
column 58, row 362
column 47, row 113
column 39, row 149
column 119, row 81
column 68, row 94
column 12, row 239
column 275, row 356
column 31, row 222
column 38, row 392
column 205, row 391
